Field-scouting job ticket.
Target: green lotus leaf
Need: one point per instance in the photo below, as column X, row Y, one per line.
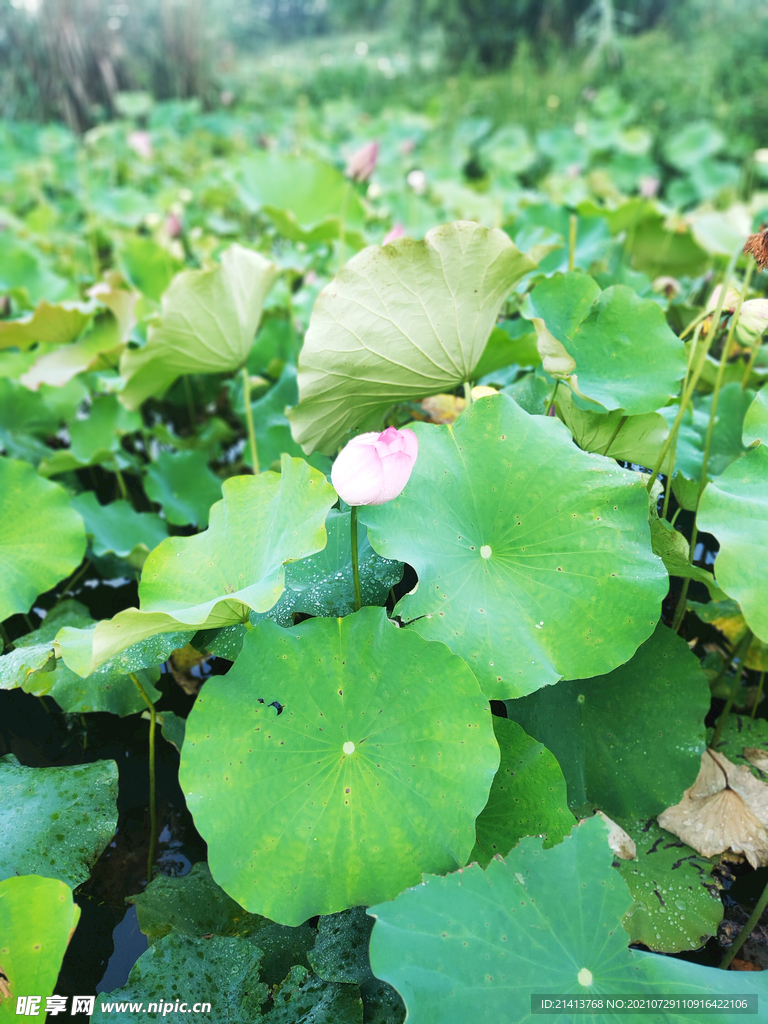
column 727, row 617
column 221, row 973
column 308, row 201
column 305, row 997
column 51, row 323
column 756, row 419
column 674, row 550
column 95, row 440
column 109, row 688
column 528, row 796
column 207, row 324
column 341, row 808
column 476, row 945
column 149, row 266
column 105, row 339
column 725, row 444
column 399, row 322
column 637, row 439
column 185, row 487
column 625, row 355
column 322, row 584
column 24, row 271
column 609, row 734
column 37, row 919
column 26, row 420
column 742, row 734
column 56, row 821
column 734, row 507
column 124, row 205
column 215, row 578
column 118, row 528
column 677, row 905
column 42, row 538
column 502, row 512
column 513, row 341
column 192, row 905
column 340, row 952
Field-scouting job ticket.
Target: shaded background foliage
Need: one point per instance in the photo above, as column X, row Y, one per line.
column 68, row 59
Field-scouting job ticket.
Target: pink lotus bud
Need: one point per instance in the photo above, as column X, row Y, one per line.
column 362, row 163
column 398, row 231
column 141, row 144
column 373, row 468
column 173, row 226
column 648, row 186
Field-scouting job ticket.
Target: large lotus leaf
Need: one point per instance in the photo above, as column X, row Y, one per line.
column 528, row 796
column 42, row 537
column 477, row 945
column 305, row 198
column 626, row 355
column 149, row 266
column 638, row 439
column 340, row 952
column 23, row 270
column 118, row 528
column 220, row 973
column 94, row 439
column 207, row 324
column 399, row 322
column 726, row 616
column 109, row 688
column 677, row 904
column 56, row 821
column 54, row 324
column 534, row 558
column 184, row 486
column 305, row 997
column 734, row 507
column 37, row 919
column 354, row 785
column 215, row 578
column 610, row 734
column 322, row 584
column 192, row 905
column 756, row 419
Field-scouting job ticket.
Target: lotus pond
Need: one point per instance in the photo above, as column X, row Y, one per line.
column 483, row 721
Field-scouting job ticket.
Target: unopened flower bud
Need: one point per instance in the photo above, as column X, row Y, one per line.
column 374, row 468
column 362, row 163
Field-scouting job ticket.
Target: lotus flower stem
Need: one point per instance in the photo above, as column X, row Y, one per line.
column 355, row 558
column 747, row 930
column 681, row 604
column 694, row 380
column 468, row 393
column 152, row 787
column 739, row 654
column 120, row 480
column 249, row 420
column 615, row 434
column 551, row 401
column 759, row 694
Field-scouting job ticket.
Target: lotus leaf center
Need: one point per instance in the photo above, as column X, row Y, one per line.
column 349, row 747
column 584, row 976
column 485, row 551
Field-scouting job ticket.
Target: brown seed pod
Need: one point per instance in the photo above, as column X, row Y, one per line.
column 757, row 246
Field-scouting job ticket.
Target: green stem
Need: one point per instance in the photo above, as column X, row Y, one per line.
column 694, row 379
column 468, row 392
column 120, row 480
column 739, row 654
column 76, row 577
column 551, row 401
column 343, row 224
column 572, row 224
column 152, row 795
column 747, row 930
column 668, row 486
column 249, row 420
column 355, row 565
column 680, row 610
column 759, row 694
column 693, row 324
column 615, row 434
column 751, row 362
column 190, row 402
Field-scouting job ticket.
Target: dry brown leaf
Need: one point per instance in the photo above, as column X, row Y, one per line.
column 758, row 757
column 725, row 809
column 181, row 663
column 5, row 988
column 743, row 965
column 622, row 844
